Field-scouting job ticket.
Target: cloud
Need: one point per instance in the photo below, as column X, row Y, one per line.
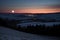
column 55, row 6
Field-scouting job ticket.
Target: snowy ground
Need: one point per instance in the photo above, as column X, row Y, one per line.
column 22, row 17
column 38, row 23
column 25, row 22
column 10, row 34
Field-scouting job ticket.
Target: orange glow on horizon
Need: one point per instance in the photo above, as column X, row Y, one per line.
column 37, row 10
column 33, row 10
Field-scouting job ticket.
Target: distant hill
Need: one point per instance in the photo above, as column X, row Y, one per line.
column 33, row 13
column 23, row 16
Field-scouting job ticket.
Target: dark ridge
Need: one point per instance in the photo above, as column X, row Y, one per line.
column 32, row 13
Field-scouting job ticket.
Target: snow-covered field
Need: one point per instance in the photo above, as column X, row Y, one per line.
column 10, row 34
column 38, row 23
column 24, row 16
column 26, row 22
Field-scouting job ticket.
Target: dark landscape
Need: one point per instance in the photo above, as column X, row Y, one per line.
column 17, row 21
column 29, row 19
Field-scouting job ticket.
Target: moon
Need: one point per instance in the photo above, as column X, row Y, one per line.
column 13, row 11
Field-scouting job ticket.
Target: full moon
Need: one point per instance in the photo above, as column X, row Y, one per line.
column 13, row 11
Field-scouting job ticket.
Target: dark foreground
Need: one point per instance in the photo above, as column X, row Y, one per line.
column 10, row 34
column 38, row 29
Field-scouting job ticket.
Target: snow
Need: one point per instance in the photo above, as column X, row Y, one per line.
column 38, row 23
column 10, row 34
column 22, row 16
column 26, row 22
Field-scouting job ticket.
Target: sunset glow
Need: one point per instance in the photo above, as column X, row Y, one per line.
column 30, row 6
column 32, row 10
column 12, row 11
column 37, row 10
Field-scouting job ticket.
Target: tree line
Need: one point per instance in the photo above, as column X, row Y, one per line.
column 38, row 29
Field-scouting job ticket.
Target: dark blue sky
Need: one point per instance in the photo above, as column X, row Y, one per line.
column 30, row 4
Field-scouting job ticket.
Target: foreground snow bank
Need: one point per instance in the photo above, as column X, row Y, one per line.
column 9, row 34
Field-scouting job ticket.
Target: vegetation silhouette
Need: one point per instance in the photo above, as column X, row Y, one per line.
column 38, row 29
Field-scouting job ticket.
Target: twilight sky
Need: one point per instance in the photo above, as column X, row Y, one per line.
column 30, row 6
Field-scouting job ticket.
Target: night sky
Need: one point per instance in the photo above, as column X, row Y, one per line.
column 30, row 6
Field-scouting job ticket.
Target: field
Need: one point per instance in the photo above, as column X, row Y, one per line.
column 45, row 25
